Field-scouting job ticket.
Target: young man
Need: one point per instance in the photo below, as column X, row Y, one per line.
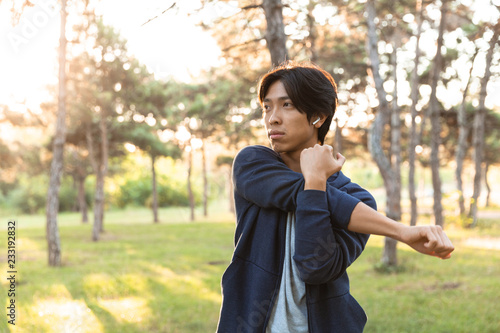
column 300, row 221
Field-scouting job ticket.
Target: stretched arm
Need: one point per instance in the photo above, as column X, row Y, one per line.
column 430, row 240
column 318, row 162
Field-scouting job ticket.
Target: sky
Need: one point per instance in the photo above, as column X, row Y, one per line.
column 169, row 45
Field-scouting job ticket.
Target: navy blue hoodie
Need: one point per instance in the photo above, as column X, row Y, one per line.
column 265, row 190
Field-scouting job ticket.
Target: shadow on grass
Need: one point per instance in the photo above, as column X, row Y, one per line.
column 172, row 313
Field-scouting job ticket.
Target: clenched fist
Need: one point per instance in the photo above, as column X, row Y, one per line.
column 317, row 164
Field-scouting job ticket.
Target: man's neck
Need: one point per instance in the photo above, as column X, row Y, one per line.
column 292, row 160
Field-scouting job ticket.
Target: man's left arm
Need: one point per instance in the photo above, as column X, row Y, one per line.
column 427, row 239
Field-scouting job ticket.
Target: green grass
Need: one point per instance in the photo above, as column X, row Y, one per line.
column 145, row 277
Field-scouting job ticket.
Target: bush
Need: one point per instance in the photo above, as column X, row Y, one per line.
column 30, row 195
column 133, row 192
column 68, row 197
column 139, row 192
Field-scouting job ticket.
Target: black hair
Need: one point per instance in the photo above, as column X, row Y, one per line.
column 312, row 90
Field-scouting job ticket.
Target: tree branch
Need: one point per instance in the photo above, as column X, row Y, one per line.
column 251, row 7
column 243, row 44
column 163, row 12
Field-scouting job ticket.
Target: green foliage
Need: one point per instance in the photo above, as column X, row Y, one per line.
column 68, row 196
column 30, row 195
column 7, row 186
column 224, row 160
column 134, row 191
column 138, row 192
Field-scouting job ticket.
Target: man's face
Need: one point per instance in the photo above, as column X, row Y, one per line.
column 288, row 130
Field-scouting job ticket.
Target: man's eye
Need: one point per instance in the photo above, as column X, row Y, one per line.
column 287, row 104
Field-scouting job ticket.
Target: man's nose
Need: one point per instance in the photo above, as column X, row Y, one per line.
column 275, row 116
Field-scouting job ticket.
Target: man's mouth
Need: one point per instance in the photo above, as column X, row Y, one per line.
column 274, row 135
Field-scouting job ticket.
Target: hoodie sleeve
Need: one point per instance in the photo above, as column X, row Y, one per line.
column 260, row 177
column 323, row 253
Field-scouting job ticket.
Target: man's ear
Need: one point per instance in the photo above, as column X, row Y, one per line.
column 319, row 119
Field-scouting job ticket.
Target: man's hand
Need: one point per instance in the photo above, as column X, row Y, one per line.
column 317, row 164
column 430, row 240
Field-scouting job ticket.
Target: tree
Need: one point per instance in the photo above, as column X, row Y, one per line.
column 492, row 146
column 414, row 113
column 189, row 150
column 434, row 111
column 224, row 160
column 478, row 129
column 106, row 82
column 77, row 165
column 56, row 168
column 144, row 138
column 389, row 172
column 462, row 137
column 275, row 32
column 239, row 34
column 153, row 103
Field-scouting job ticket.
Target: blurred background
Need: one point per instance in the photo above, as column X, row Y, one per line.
column 119, row 121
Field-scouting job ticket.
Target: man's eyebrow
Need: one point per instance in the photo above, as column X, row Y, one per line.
column 281, row 98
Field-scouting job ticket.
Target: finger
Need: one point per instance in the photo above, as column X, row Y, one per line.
column 432, row 239
column 330, row 148
column 341, row 159
column 445, row 247
column 442, row 247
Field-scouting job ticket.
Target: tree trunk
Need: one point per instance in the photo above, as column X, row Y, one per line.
column 101, row 168
column 478, row 137
column 205, row 179
column 76, row 204
column 436, row 122
column 56, row 167
column 189, row 186
column 395, row 200
column 488, row 188
column 413, row 130
column 275, row 32
column 82, row 203
column 382, row 117
column 311, row 39
column 394, row 195
column 154, row 190
column 463, row 132
column 98, row 205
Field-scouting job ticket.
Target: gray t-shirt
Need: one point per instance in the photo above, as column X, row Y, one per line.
column 289, row 313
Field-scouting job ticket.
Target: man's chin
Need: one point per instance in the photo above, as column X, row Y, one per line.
column 276, row 147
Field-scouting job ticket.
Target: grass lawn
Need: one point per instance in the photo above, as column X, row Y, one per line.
column 145, row 277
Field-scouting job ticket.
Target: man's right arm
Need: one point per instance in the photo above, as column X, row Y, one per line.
column 260, row 177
